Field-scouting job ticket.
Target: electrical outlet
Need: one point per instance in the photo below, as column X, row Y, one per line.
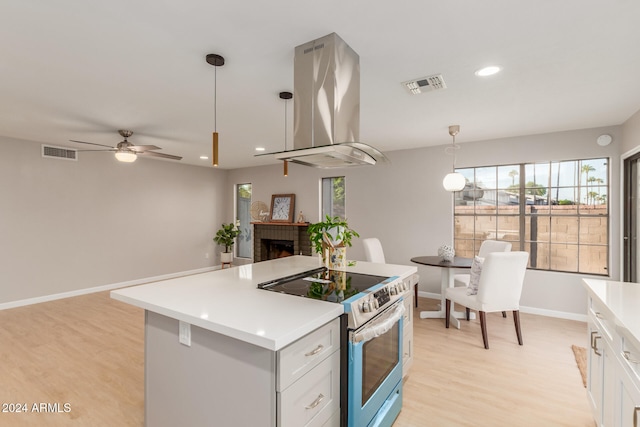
column 185, row 333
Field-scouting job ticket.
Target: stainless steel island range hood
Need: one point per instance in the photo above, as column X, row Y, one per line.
column 327, row 107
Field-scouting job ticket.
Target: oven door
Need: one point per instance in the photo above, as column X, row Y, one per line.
column 375, row 369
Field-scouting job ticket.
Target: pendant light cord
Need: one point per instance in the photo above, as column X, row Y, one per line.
column 215, row 99
column 452, row 151
column 285, row 124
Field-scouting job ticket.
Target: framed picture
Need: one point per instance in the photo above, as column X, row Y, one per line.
column 282, row 207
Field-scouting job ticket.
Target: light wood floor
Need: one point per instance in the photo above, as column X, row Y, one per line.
column 87, row 351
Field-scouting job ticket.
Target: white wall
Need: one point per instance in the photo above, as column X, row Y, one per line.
column 405, row 205
column 66, row 226
column 631, row 133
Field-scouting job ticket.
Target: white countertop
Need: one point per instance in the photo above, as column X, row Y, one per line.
column 228, row 301
column 623, row 300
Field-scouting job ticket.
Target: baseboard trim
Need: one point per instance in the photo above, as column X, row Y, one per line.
column 53, row 297
column 529, row 310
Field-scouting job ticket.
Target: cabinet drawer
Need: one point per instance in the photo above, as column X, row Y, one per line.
column 301, row 356
column 314, row 398
column 603, row 320
column 631, row 358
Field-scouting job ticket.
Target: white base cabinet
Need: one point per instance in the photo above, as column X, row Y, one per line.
column 308, row 389
column 613, row 377
column 407, row 324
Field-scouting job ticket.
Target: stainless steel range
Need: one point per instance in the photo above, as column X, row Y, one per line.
column 371, row 390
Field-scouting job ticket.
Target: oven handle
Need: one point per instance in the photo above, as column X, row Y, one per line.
column 380, row 326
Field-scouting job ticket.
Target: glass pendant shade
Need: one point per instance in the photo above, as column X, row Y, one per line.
column 126, row 156
column 454, row 181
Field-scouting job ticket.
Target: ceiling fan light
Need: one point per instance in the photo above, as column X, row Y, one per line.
column 126, row 156
column 454, row 181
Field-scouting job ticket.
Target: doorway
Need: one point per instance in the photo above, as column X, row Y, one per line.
column 631, row 225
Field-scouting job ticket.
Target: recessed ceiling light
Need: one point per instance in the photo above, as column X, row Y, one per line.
column 488, row 71
column 259, row 148
column 204, row 157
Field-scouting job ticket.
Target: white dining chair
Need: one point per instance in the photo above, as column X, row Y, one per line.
column 373, row 250
column 488, row 246
column 373, row 253
column 499, row 289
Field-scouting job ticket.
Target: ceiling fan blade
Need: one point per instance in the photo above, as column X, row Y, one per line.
column 141, row 148
column 113, row 149
column 92, row 143
column 165, row 156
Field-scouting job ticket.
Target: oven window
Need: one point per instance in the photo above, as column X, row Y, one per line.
column 379, row 357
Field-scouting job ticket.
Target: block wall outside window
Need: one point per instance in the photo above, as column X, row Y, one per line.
column 556, row 211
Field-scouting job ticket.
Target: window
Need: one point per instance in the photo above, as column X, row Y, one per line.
column 333, row 190
column 243, row 214
column 556, row 211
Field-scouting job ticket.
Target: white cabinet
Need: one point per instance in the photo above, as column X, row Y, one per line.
column 308, row 379
column 628, row 385
column 407, row 338
column 613, row 377
column 407, row 324
column 601, row 371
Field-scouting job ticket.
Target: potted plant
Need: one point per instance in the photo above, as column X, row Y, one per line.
column 330, row 238
column 225, row 237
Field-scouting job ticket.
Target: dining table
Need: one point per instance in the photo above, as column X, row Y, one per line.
column 448, row 271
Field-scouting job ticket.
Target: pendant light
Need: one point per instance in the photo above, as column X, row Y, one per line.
column 217, row 61
column 453, row 181
column 286, row 96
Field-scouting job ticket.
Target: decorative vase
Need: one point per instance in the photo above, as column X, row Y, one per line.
column 337, row 258
column 446, row 252
column 226, row 257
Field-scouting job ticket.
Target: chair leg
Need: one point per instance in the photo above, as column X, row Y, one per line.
column 447, row 312
column 468, row 310
column 504, row 314
column 516, row 321
column 415, row 298
column 483, row 326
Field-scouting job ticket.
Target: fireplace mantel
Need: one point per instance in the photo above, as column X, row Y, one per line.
column 264, row 233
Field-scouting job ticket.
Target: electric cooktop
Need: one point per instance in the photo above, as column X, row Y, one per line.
column 323, row 284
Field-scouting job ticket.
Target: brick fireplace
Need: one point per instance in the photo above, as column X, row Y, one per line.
column 276, row 240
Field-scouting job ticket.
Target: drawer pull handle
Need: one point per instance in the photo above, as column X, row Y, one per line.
column 594, row 343
column 315, row 351
column 316, row 402
column 627, row 355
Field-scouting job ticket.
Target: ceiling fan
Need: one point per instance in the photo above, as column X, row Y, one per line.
column 127, row 152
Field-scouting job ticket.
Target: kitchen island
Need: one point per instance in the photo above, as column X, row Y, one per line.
column 220, row 351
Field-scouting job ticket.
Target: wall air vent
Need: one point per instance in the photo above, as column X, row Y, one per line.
column 425, row 84
column 52, row 152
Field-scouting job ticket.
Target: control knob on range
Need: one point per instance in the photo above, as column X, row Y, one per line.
column 366, row 307
column 375, row 304
column 393, row 290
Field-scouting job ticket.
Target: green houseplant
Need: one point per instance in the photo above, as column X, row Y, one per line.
column 338, row 237
column 225, row 236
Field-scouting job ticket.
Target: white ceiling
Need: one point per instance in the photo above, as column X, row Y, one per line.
column 82, row 70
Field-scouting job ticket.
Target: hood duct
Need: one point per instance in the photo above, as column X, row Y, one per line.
column 327, row 107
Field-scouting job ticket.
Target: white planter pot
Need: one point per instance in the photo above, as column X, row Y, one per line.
column 226, row 257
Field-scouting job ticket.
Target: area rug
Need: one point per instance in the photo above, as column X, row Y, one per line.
column 580, row 354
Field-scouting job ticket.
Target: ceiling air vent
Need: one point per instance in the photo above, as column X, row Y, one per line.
column 425, row 84
column 50, row 151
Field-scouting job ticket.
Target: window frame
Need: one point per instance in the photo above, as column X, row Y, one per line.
column 341, row 212
column 583, row 215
